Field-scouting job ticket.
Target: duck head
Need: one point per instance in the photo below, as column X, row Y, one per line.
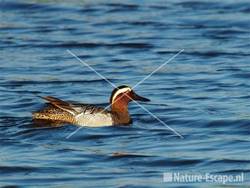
column 121, row 96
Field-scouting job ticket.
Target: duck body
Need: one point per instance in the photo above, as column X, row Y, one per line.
column 87, row 114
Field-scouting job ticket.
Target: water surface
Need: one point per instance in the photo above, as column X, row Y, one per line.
column 203, row 93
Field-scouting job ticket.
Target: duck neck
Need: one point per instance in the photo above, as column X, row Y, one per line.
column 120, row 109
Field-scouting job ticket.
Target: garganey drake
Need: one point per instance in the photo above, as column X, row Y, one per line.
column 88, row 115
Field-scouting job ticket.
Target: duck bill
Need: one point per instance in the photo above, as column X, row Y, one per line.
column 139, row 98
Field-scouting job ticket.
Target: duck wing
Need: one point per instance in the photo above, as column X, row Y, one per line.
column 65, row 106
column 74, row 108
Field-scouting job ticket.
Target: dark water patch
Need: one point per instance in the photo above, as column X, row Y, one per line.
column 99, row 136
column 229, row 161
column 11, row 186
column 203, row 93
column 135, row 186
column 122, row 5
column 4, row 120
column 159, row 162
column 90, row 9
column 16, row 107
column 121, row 155
column 235, row 171
column 109, row 23
column 219, row 7
column 166, row 135
column 230, row 32
column 159, row 7
column 27, row 169
column 85, row 56
column 244, row 97
column 166, row 121
column 31, row 7
column 204, row 98
column 245, row 10
column 229, row 69
column 212, row 54
column 227, row 34
column 241, row 75
column 35, row 132
column 70, row 45
column 163, row 52
column 48, row 82
column 229, row 123
column 147, row 23
column 221, row 35
column 198, row 5
column 44, row 181
column 133, row 45
column 49, row 30
column 121, row 9
column 206, row 54
column 8, row 142
column 16, row 169
column 55, row 23
column 20, row 6
column 120, row 61
column 239, row 6
column 7, row 42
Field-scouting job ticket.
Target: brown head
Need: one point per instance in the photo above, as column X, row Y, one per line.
column 121, row 96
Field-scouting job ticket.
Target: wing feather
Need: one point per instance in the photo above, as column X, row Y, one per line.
column 61, row 104
column 73, row 108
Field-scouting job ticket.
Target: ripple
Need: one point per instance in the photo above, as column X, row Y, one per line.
column 165, row 162
column 32, row 7
column 16, row 169
column 203, row 93
column 19, row 5
column 47, row 82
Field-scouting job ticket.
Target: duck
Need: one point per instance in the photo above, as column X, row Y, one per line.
column 90, row 115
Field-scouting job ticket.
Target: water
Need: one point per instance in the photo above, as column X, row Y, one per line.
column 203, row 93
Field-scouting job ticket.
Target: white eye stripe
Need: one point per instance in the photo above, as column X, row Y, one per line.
column 123, row 90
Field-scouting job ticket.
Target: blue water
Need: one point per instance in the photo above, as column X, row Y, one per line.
column 203, row 93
